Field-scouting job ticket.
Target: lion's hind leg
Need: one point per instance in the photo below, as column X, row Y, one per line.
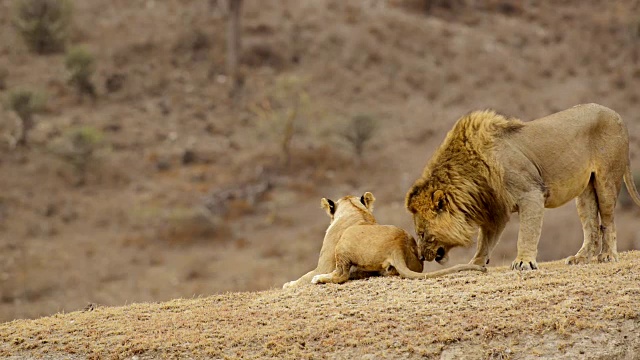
column 337, row 276
column 587, row 205
column 607, row 192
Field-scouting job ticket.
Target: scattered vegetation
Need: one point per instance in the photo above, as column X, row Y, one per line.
column 81, row 65
column 182, row 226
column 78, row 146
column 4, row 74
column 25, row 103
column 43, row 24
column 280, row 113
column 359, row 131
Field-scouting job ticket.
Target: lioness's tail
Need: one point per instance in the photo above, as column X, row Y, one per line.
column 631, row 186
column 405, row 272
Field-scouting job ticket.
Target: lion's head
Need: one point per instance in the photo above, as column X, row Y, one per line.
column 461, row 187
column 350, row 205
column 439, row 223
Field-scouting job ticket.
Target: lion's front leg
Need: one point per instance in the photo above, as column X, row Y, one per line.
column 531, row 212
column 337, row 276
column 488, row 238
column 304, row 279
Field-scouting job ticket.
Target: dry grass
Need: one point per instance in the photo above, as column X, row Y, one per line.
column 131, row 233
column 579, row 311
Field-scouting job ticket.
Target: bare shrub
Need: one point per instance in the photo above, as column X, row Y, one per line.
column 279, row 115
column 78, row 146
column 81, row 65
column 4, row 74
column 43, row 24
column 25, row 103
column 359, row 131
column 183, row 226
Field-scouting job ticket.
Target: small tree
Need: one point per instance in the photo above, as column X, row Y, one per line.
column 25, row 103
column 359, row 131
column 43, row 24
column 4, row 74
column 234, row 45
column 287, row 104
column 78, row 147
column 81, row 66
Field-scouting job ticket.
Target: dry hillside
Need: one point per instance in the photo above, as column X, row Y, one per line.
column 559, row 311
column 185, row 193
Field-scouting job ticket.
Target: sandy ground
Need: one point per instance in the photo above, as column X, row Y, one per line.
column 560, row 311
column 188, row 194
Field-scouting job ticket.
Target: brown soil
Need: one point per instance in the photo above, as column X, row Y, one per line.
column 559, row 311
column 189, row 195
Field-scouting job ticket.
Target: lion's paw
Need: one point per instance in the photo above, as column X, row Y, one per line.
column 524, row 264
column 575, row 260
column 320, row 279
column 608, row 257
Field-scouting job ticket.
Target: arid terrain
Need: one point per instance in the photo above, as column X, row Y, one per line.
column 568, row 312
column 188, row 192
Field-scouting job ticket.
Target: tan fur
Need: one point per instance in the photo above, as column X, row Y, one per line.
column 349, row 211
column 489, row 166
column 359, row 243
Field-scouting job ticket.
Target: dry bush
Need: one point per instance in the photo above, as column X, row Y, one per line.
column 4, row 74
column 261, row 53
column 359, row 131
column 182, row 226
column 279, row 115
column 43, row 24
column 78, row 146
column 195, row 43
column 25, row 103
column 81, row 65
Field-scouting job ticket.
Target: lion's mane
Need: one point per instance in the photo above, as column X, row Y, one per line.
column 466, row 171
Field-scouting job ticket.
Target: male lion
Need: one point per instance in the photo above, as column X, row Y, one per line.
column 489, row 166
column 355, row 240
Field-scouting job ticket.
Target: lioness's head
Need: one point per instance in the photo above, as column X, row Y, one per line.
column 349, row 204
column 439, row 222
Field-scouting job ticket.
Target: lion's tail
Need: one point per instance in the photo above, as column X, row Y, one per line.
column 631, row 186
column 405, row 272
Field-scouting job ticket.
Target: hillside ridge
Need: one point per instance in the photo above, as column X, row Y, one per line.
column 589, row 311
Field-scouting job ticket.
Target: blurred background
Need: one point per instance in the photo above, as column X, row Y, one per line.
column 159, row 149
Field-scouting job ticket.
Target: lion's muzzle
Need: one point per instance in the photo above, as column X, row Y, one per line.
column 429, row 255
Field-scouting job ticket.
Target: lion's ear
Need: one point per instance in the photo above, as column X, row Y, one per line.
column 367, row 200
column 439, row 200
column 328, row 205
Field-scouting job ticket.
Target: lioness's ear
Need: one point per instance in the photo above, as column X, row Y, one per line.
column 328, row 205
column 438, row 200
column 367, row 200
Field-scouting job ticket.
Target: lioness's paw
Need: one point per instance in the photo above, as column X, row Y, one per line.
column 479, row 261
column 608, row 257
column 523, row 264
column 320, row 279
column 288, row 284
column 575, row 260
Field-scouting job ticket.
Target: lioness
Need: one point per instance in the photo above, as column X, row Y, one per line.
column 353, row 211
column 489, row 166
column 355, row 240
